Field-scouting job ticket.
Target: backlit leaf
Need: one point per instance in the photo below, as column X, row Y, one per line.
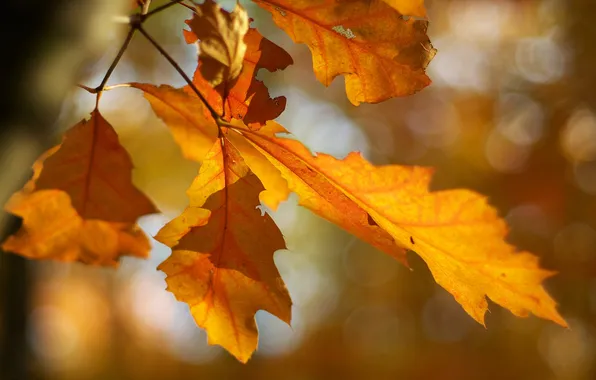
column 81, row 204
column 248, row 99
column 222, row 253
column 456, row 232
column 95, row 171
column 221, row 41
column 191, row 124
column 381, row 54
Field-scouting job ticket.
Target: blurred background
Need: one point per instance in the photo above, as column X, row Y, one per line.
column 511, row 114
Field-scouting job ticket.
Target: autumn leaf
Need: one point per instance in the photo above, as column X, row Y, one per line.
column 95, row 171
column 248, row 99
column 381, row 54
column 195, row 131
column 221, row 41
column 80, row 204
column 408, row 7
column 191, row 124
column 222, row 253
column 316, row 192
column 459, row 236
column 52, row 229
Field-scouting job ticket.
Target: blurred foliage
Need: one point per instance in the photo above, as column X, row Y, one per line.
column 511, row 113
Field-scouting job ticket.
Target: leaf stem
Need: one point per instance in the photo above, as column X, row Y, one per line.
column 216, row 116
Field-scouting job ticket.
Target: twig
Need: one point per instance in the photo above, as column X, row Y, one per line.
column 87, row 88
column 102, row 85
column 214, row 114
column 161, row 8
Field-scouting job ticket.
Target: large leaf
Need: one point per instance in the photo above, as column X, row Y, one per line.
column 222, row 253
column 381, row 54
column 456, row 232
column 81, row 204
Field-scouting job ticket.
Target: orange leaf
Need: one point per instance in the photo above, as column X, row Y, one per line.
column 95, row 171
column 52, row 229
column 191, row 124
column 381, row 54
column 317, row 192
column 248, row 99
column 408, row 7
column 222, row 253
column 221, row 36
column 456, row 232
column 81, row 204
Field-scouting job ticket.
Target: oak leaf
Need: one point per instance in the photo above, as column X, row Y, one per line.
column 248, row 99
column 196, row 131
column 95, row 171
column 222, row 253
column 459, row 236
column 81, row 204
column 221, row 41
column 381, row 54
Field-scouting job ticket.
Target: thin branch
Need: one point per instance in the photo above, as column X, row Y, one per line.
column 189, row 7
column 87, row 88
column 172, row 62
column 161, row 8
column 102, row 85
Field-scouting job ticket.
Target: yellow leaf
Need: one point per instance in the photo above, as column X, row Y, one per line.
column 191, row 124
column 381, row 54
column 222, row 253
column 317, row 192
column 456, row 232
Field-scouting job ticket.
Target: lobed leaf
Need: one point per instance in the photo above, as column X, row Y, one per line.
column 456, row 232
column 95, row 171
column 248, row 99
column 381, row 54
column 81, row 204
column 222, row 253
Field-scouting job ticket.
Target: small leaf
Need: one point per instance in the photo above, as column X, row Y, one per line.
column 248, row 99
column 222, row 253
column 221, row 41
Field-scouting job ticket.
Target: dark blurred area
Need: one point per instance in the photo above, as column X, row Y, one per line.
column 511, row 114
